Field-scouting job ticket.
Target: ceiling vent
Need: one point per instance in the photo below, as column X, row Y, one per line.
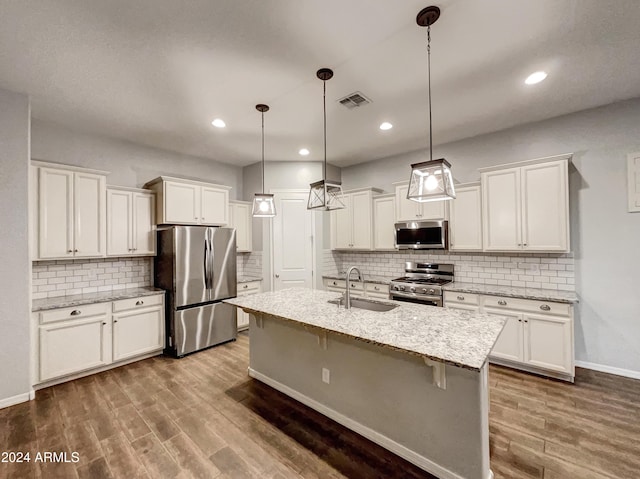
column 354, row 100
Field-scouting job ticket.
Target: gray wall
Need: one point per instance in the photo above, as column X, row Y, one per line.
column 129, row 164
column 604, row 236
column 292, row 176
column 15, row 266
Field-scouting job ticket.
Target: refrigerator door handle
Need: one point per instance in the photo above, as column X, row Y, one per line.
column 207, row 285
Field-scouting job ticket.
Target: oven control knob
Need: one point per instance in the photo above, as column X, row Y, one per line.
column 412, row 289
column 424, row 290
column 432, row 291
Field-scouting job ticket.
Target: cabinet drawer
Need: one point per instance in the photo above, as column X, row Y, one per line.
column 137, row 303
column 356, row 286
column 462, row 298
column 77, row 312
column 248, row 288
column 541, row 307
column 377, row 288
column 334, row 283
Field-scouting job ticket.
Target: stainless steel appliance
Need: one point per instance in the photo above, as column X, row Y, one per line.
column 196, row 265
column 422, row 283
column 422, row 235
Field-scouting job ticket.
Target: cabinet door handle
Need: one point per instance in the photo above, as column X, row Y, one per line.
column 545, row 307
column 460, row 298
column 139, row 303
column 502, row 302
column 75, row 250
column 115, row 320
column 519, row 320
column 526, row 320
column 104, row 324
column 75, row 312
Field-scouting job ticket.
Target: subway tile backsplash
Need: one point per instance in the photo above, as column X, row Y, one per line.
column 527, row 270
column 67, row 277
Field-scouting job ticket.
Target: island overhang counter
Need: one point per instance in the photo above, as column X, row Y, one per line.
column 413, row 379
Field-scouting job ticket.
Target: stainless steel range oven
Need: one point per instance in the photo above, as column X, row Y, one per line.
column 422, row 283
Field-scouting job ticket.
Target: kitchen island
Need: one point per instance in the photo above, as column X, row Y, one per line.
column 412, row 379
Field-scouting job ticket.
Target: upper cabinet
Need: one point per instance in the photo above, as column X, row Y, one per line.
column 409, row 210
column 525, row 206
column 70, row 215
column 352, row 226
column 131, row 222
column 384, row 214
column 187, row 202
column 465, row 218
column 240, row 218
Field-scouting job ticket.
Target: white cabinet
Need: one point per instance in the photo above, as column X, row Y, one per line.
column 240, row 218
column 376, row 290
column 548, row 342
column 71, row 212
column 384, row 218
column 465, row 218
column 138, row 326
column 73, row 340
column 358, row 290
column 463, row 301
column 407, row 210
column 130, row 222
column 246, row 289
column 509, row 343
column 352, row 226
column 79, row 339
column 181, row 201
column 525, row 207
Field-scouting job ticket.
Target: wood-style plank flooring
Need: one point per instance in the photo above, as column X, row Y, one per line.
column 203, row 417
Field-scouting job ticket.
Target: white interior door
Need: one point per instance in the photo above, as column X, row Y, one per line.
column 292, row 242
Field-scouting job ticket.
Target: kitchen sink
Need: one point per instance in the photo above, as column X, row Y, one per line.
column 367, row 304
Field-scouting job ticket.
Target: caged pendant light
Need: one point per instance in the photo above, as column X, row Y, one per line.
column 430, row 180
column 263, row 205
column 325, row 195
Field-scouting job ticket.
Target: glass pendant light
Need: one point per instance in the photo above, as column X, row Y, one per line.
column 430, row 180
column 263, row 205
column 325, row 195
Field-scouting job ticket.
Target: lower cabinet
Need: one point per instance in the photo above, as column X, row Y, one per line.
column 537, row 335
column 246, row 289
column 369, row 290
column 73, row 340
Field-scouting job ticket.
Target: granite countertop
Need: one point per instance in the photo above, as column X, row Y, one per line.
column 88, row 298
column 460, row 338
column 513, row 292
column 247, row 279
column 367, row 278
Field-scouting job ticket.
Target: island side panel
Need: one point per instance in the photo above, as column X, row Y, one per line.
column 385, row 395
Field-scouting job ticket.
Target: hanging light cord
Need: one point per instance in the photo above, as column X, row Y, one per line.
column 262, row 113
column 429, row 76
column 324, row 115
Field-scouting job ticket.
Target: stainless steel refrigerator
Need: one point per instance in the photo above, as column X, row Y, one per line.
column 196, row 265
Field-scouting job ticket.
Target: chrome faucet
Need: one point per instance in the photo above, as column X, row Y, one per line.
column 347, row 297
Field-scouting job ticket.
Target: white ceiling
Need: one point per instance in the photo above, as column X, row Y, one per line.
column 157, row 72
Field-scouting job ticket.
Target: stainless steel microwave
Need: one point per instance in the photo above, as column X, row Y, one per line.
column 422, row 235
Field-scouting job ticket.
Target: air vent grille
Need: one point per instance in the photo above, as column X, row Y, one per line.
column 354, row 100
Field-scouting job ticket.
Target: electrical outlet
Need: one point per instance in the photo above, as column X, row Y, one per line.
column 326, row 376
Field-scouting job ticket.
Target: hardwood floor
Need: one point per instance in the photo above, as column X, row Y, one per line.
column 202, row 417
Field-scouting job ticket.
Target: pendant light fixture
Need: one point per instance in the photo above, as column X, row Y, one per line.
column 325, row 195
column 263, row 205
column 430, row 180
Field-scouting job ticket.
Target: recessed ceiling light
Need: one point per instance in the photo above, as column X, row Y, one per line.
column 218, row 123
column 303, row 151
column 385, row 125
column 535, row 77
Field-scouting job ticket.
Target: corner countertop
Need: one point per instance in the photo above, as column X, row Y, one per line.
column 88, row 298
column 367, row 278
column 247, row 279
column 513, row 292
column 460, row 338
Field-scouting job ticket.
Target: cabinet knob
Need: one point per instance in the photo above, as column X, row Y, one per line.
column 502, row 302
column 277, row 275
column 115, row 320
column 245, row 286
column 526, row 320
column 353, row 285
column 104, row 324
column 75, row 312
column 460, row 298
column 519, row 320
column 69, row 251
column 335, row 284
column 545, row 307
column 524, row 244
column 139, row 303
column 376, row 288
column 75, row 250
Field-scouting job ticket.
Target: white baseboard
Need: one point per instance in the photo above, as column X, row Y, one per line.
column 374, row 436
column 628, row 373
column 24, row 397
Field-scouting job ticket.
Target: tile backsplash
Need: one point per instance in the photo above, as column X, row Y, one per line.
column 66, row 277
column 527, row 270
column 250, row 264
